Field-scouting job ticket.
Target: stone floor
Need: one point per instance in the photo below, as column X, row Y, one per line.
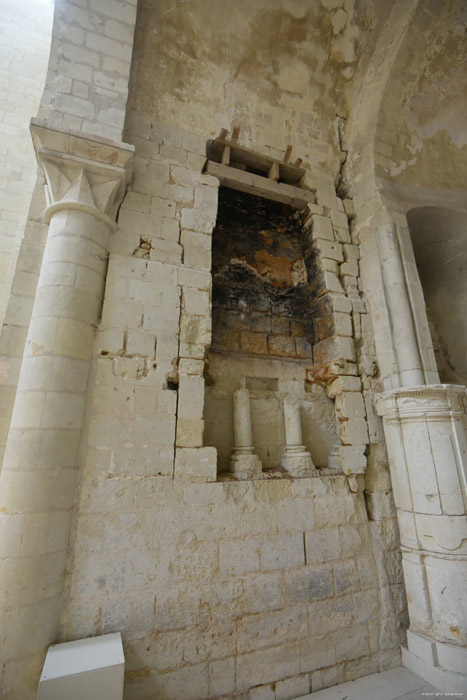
column 397, row 684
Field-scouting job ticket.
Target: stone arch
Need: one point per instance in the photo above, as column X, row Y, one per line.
column 420, row 149
column 403, row 140
column 420, row 154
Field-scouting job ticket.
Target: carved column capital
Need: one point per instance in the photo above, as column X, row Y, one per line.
column 82, row 173
column 430, row 401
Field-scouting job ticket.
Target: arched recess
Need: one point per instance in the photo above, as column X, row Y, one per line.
column 420, row 145
column 408, row 149
column 439, row 239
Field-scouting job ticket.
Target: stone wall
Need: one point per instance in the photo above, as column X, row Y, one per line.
column 262, row 589
column 259, row 589
column 202, row 73
column 25, row 31
column 254, row 589
column 87, row 80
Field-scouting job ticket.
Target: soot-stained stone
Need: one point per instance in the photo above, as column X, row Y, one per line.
column 264, row 271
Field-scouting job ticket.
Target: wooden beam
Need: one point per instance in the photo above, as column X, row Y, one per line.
column 235, row 133
column 287, row 154
column 260, row 186
column 252, row 159
column 223, row 133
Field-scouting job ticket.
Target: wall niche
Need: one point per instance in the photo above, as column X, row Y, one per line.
column 268, row 310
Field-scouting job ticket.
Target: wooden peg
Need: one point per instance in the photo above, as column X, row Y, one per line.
column 298, row 162
column 273, row 173
column 287, row 154
column 225, row 160
column 223, row 134
column 235, row 133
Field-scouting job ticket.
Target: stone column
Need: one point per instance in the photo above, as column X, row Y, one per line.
column 86, row 182
column 243, row 462
column 427, row 448
column 405, row 341
column 295, row 458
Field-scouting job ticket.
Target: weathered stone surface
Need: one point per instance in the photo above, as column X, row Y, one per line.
column 195, row 464
column 225, row 588
column 308, row 584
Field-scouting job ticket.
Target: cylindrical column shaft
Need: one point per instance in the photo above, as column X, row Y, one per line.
column 405, row 341
column 37, row 483
column 242, row 419
column 295, row 458
column 293, row 426
column 243, row 462
column 426, row 441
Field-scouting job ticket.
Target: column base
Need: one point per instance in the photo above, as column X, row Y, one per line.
column 245, row 464
column 297, row 460
column 441, row 664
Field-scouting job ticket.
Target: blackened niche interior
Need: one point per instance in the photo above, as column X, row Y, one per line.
column 268, row 310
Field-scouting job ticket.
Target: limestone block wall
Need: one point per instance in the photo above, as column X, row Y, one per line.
column 19, row 308
column 221, row 588
column 267, row 587
column 25, row 31
column 234, row 589
column 89, row 67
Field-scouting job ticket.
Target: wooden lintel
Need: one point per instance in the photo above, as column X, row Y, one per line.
column 287, row 154
column 256, row 161
column 260, row 186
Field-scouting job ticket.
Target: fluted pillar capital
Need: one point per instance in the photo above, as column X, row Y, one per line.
column 82, row 172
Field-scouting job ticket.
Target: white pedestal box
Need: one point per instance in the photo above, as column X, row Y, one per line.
column 87, row 668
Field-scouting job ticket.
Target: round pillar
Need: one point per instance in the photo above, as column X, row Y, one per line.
column 405, row 341
column 243, row 462
column 38, row 479
column 296, row 458
column 427, row 447
column 292, row 421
